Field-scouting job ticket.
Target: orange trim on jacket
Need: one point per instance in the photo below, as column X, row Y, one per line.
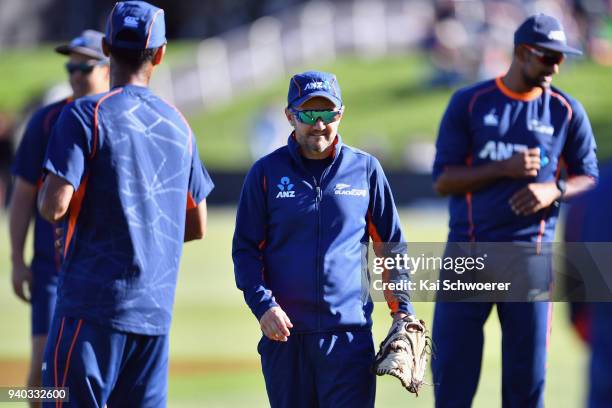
column 519, row 96
column 74, row 338
column 73, row 210
column 94, row 145
column 392, row 301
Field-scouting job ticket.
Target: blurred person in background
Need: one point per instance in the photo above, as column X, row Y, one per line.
column 7, row 130
column 594, row 19
column 499, row 150
column 305, row 213
column 446, row 43
column 269, row 132
column 88, row 74
column 596, row 227
column 588, row 222
column 580, row 314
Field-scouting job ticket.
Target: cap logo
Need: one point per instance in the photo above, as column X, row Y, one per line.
column 313, row 86
column 557, row 35
column 130, row 21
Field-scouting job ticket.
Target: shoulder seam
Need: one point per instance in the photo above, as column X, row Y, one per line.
column 356, row 150
column 477, row 95
column 565, row 103
column 95, row 124
column 47, row 119
column 183, row 119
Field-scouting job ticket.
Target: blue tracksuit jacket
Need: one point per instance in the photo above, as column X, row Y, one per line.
column 298, row 240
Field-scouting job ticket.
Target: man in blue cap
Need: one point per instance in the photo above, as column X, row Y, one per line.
column 123, row 173
column 500, row 148
column 88, row 73
column 304, row 214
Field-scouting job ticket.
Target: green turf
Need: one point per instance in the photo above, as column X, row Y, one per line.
column 213, row 331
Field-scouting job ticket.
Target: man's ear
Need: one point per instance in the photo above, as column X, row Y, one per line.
column 290, row 117
column 105, row 47
column 159, row 55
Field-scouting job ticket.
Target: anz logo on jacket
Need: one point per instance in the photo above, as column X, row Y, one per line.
column 299, row 241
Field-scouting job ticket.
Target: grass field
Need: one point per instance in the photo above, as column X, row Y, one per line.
column 214, row 362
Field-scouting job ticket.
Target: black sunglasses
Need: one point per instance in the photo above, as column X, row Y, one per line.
column 546, row 58
column 83, row 67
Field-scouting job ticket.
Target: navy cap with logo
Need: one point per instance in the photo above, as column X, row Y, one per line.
column 89, row 43
column 136, row 25
column 307, row 85
column 545, row 32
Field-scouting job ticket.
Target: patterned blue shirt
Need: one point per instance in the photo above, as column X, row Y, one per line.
column 134, row 165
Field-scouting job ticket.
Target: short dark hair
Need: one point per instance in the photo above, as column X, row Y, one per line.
column 133, row 59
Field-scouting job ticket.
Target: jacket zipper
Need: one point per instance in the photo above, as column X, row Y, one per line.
column 318, row 252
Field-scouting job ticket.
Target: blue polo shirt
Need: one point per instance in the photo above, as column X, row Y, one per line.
column 28, row 166
column 488, row 122
column 133, row 162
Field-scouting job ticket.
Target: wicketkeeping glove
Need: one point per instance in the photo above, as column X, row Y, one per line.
column 403, row 353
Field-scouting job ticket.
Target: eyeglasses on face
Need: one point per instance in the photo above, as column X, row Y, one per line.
column 310, row 117
column 546, row 58
column 83, row 67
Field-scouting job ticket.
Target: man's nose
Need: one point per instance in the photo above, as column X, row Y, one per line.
column 319, row 124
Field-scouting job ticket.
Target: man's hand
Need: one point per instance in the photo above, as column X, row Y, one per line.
column 465, row 179
column 22, row 276
column 522, row 164
column 275, row 324
column 534, row 197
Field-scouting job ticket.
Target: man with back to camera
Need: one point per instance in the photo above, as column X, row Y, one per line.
column 123, row 167
column 500, row 147
column 305, row 212
column 88, row 74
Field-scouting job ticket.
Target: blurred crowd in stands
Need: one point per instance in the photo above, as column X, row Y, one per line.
column 469, row 40
column 58, row 20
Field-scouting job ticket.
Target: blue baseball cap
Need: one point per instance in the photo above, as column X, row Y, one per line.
column 89, row 43
column 136, row 25
column 544, row 31
column 307, row 85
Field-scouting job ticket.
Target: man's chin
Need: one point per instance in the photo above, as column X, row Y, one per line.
column 319, row 147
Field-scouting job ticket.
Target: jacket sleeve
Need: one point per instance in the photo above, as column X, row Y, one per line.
column 30, row 154
column 580, row 150
column 386, row 233
column 453, row 141
column 249, row 243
